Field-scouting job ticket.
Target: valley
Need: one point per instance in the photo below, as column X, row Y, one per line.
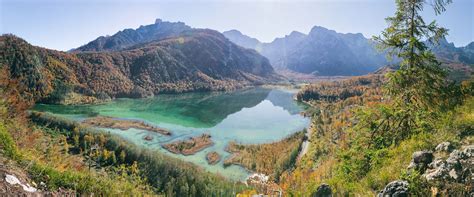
column 174, row 109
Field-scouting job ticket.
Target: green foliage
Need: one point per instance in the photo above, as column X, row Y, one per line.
column 416, row 184
column 7, row 144
column 419, row 96
column 59, row 93
column 419, row 90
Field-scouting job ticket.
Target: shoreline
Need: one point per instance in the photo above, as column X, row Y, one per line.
column 284, row 85
column 123, row 124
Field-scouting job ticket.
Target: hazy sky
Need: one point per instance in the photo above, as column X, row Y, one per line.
column 67, row 24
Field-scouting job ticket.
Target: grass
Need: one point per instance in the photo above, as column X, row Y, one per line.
column 7, row 144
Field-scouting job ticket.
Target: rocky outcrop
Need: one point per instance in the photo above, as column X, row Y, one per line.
column 447, row 172
column 324, row 190
column 458, row 167
column 446, row 168
column 444, row 146
column 397, row 188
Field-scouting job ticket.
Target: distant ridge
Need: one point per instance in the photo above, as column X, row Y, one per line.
column 326, row 52
column 321, row 52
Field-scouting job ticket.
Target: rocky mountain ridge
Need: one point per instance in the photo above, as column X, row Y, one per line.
column 329, row 53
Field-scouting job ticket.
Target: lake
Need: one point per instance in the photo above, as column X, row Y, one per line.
column 256, row 115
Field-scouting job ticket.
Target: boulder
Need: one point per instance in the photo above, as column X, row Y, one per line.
column 397, row 188
column 421, row 160
column 456, row 168
column 444, row 147
column 455, row 158
column 324, row 190
column 469, row 151
column 440, row 172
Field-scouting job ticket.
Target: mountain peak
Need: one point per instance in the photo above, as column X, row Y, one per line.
column 470, row 46
column 296, row 34
column 129, row 37
column 240, row 39
column 233, row 32
column 320, row 29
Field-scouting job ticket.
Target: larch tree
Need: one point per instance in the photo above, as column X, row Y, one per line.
column 420, row 81
column 419, row 89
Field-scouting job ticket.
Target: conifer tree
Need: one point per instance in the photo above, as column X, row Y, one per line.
column 420, row 81
column 419, row 89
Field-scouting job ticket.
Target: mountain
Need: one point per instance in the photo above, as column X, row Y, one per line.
column 129, row 37
column 326, row 52
column 280, row 49
column 321, row 52
column 447, row 52
column 242, row 40
column 194, row 60
column 276, row 51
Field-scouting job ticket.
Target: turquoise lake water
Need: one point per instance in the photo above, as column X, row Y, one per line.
column 257, row 115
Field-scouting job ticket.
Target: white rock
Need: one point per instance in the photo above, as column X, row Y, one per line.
column 453, row 174
column 258, row 178
column 12, row 180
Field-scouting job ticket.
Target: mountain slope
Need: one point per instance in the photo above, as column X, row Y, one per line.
column 280, row 49
column 326, row 52
column 242, row 40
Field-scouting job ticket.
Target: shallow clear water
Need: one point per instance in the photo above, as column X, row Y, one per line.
column 256, row 115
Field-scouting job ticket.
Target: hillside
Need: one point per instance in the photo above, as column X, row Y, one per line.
column 61, row 157
column 345, row 155
column 198, row 60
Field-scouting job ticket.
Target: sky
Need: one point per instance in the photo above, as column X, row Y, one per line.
column 67, row 24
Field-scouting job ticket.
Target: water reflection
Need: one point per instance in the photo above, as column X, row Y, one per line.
column 256, row 115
